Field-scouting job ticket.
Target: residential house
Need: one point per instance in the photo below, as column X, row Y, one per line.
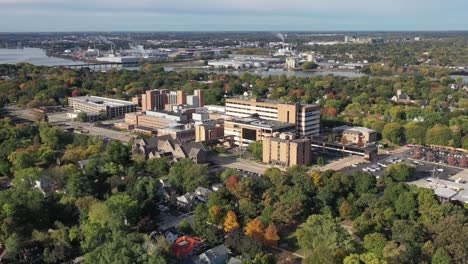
column 45, row 185
column 82, row 163
column 166, row 146
column 187, row 200
column 401, row 97
column 144, row 145
column 202, row 193
column 216, row 255
column 185, row 246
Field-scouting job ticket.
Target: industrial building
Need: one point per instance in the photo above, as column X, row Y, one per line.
column 101, row 105
column 306, row 117
column 285, row 150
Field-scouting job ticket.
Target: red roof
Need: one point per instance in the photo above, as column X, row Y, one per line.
column 184, row 245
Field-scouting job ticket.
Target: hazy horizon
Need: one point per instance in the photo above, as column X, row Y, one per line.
column 241, row 15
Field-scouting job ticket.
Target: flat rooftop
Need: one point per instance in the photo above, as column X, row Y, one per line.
column 101, row 101
column 262, row 123
column 260, row 100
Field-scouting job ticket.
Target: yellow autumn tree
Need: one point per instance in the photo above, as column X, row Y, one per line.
column 316, row 178
column 271, row 235
column 345, row 209
column 230, row 222
column 254, row 229
column 215, row 215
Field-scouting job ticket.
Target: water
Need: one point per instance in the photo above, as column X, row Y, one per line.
column 465, row 78
column 32, row 55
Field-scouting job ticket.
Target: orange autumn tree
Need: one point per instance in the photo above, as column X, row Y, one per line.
column 254, row 229
column 232, row 182
column 271, row 235
column 230, row 222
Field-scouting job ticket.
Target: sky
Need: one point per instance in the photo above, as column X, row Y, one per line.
column 231, row 15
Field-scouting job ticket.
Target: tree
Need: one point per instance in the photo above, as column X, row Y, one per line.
column 215, row 214
column 441, row 257
column 415, row 132
column 82, row 117
column 438, row 135
column 158, row 167
column 117, row 152
column 254, row 229
column 256, row 148
column 77, row 183
column 393, row 133
column 185, row 227
column 200, row 217
column 230, row 222
column 406, row 206
column 309, row 65
column 186, row 176
column 53, row 137
column 271, row 235
column 320, row 161
column 452, row 240
column 375, row 243
column 345, row 209
column 232, row 182
column 400, row 172
column 324, row 231
column 121, row 249
column 119, row 210
column 244, row 245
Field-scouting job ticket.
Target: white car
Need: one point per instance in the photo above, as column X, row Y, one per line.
column 365, row 169
column 382, row 165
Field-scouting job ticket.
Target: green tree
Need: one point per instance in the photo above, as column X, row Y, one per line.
column 159, row 167
column 82, row 117
column 324, row 231
column 53, row 137
column 186, row 176
column 375, row 243
column 441, row 257
column 256, row 148
column 117, row 152
column 415, row 132
column 400, row 172
column 309, row 65
column 393, row 133
column 438, row 135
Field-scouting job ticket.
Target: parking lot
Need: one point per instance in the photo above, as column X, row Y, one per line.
column 423, row 169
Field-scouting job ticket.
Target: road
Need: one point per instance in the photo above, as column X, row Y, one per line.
column 343, row 163
column 61, row 119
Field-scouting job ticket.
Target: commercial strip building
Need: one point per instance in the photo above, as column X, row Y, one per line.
column 250, row 129
column 95, row 105
column 285, row 150
column 306, row 117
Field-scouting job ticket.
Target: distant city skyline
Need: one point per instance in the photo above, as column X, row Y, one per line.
column 228, row 15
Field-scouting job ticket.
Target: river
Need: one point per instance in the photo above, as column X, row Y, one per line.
column 32, row 55
column 38, row 56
